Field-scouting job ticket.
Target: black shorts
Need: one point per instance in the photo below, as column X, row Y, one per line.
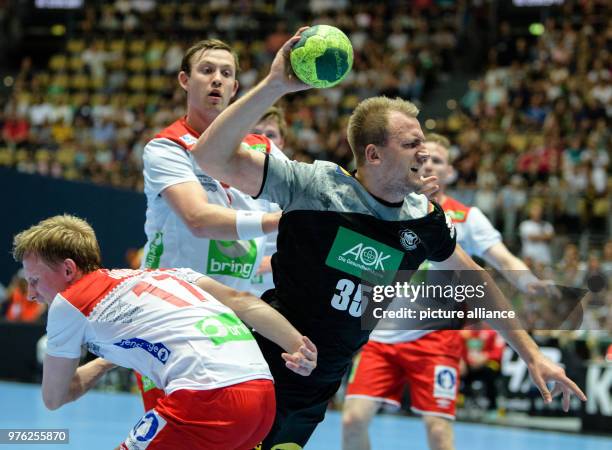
column 301, row 402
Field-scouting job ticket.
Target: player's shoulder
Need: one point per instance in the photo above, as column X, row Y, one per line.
column 457, row 211
column 178, row 133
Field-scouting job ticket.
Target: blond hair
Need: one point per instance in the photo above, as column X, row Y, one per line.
column 275, row 113
column 369, row 123
column 438, row 139
column 58, row 238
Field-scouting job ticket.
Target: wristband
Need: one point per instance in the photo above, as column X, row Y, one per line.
column 248, row 224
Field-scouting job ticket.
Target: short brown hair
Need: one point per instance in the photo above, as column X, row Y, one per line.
column 369, row 123
column 58, row 238
column 278, row 116
column 207, row 44
column 438, row 139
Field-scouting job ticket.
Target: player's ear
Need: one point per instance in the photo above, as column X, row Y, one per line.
column 69, row 269
column 183, row 79
column 236, row 86
column 372, row 154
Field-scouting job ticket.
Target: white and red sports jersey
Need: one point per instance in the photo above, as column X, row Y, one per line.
column 170, row 243
column 475, row 234
column 158, row 323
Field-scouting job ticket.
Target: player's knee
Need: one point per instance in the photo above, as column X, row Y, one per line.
column 354, row 420
column 440, row 433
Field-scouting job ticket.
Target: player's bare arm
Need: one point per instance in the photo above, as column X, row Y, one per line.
column 541, row 369
column 301, row 356
column 63, row 382
column 218, row 149
column 205, row 219
column 517, row 272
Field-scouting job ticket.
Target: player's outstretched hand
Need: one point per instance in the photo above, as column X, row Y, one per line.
column 303, row 361
column 281, row 73
column 429, row 187
column 543, row 370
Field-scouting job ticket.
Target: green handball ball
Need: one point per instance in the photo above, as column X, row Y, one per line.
column 322, row 57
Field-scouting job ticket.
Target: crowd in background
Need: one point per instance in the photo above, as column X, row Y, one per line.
column 531, row 132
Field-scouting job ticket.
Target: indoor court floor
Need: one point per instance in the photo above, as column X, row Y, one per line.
column 101, row 420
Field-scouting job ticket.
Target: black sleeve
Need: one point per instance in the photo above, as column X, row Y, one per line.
column 446, row 236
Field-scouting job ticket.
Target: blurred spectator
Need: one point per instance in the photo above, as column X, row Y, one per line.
column 481, row 361
column 536, row 235
column 19, row 308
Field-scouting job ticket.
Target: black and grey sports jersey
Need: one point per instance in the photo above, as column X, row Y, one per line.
column 334, row 237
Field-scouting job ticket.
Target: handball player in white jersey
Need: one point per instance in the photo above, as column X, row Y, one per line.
column 193, row 220
column 427, row 361
column 166, row 324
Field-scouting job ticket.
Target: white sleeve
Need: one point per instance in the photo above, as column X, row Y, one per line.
column 479, row 233
column 166, row 163
column 66, row 328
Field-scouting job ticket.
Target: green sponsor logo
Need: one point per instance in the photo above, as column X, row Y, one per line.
column 363, row 257
column 156, row 248
column 233, row 258
column 224, row 328
column 147, row 384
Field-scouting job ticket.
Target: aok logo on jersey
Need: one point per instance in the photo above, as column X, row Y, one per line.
column 233, row 258
column 224, row 328
column 361, row 256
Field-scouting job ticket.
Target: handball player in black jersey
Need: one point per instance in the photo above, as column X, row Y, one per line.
column 339, row 234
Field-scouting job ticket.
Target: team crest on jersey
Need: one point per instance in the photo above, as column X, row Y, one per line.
column 144, row 431
column 409, row 239
column 450, row 225
column 188, row 139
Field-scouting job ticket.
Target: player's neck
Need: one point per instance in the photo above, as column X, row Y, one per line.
column 199, row 121
column 378, row 188
column 439, row 197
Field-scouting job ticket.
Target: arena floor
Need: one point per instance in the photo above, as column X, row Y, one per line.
column 101, row 420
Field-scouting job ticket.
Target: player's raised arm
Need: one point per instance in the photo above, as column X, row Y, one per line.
column 218, row 149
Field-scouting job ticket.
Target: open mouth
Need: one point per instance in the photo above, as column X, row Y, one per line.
column 215, row 94
column 415, row 169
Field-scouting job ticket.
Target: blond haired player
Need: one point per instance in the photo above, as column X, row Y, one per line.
column 179, row 328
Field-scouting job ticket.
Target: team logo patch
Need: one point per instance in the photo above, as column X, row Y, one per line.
column 409, row 239
column 232, row 258
column 144, row 431
column 207, row 183
column 363, row 257
column 224, row 328
column 158, row 350
column 445, row 382
column 188, row 139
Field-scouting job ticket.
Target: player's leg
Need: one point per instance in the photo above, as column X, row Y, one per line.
column 376, row 378
column 299, row 409
column 439, row 432
column 432, row 365
column 357, row 414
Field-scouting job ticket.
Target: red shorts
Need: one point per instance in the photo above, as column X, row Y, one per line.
column 429, row 365
column 236, row 417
